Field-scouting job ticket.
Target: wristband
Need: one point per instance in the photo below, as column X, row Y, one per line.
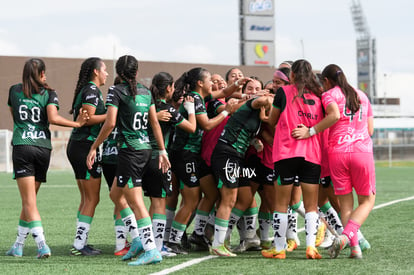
column 225, row 113
column 162, row 152
column 312, row 131
column 189, row 107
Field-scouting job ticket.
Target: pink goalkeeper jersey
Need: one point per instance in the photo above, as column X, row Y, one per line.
column 305, row 110
column 350, row 132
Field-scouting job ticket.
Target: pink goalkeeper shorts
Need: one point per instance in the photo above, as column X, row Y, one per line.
column 352, row 170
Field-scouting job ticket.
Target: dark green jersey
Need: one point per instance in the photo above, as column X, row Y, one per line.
column 190, row 141
column 89, row 95
column 241, row 127
column 133, row 111
column 31, row 125
column 166, row 126
column 110, row 149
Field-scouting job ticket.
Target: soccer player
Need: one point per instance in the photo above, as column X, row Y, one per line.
column 34, row 105
column 228, row 164
column 156, row 184
column 189, row 168
column 296, row 104
column 87, row 96
column 350, row 121
column 130, row 108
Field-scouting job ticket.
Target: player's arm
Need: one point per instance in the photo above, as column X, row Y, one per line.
column 106, row 130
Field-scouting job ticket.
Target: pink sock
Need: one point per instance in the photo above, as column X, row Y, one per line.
column 350, row 231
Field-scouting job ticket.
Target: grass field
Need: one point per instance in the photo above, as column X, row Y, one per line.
column 389, row 229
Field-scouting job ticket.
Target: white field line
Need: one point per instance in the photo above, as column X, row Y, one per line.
column 199, row 260
column 183, row 265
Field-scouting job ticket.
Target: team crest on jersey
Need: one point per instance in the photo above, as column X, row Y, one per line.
column 193, row 178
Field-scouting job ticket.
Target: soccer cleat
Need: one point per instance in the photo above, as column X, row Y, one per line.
column 134, row 249
column 91, row 247
column 221, row 250
column 249, row 244
column 44, row 252
column 199, row 242
column 339, row 243
column 16, row 250
column 152, row 256
column 328, row 240
column 356, row 252
column 291, row 245
column 265, row 244
column 165, row 253
column 85, row 251
column 274, row 254
column 176, row 248
column 312, row 253
column 320, row 235
column 364, row 244
column 124, row 250
column 121, row 252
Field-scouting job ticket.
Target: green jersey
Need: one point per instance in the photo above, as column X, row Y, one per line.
column 110, row 148
column 166, row 126
column 190, row 141
column 31, row 125
column 89, row 95
column 241, row 127
column 133, row 111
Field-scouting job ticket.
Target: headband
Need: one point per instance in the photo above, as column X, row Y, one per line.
column 281, row 75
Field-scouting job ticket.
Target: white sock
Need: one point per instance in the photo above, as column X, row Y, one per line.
column 131, row 225
column 38, row 236
column 82, row 231
column 200, row 222
column 170, row 214
column 280, row 221
column 22, row 233
column 146, row 234
column 292, row 230
column 158, row 226
column 220, row 228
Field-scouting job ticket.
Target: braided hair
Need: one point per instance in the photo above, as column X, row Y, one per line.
column 127, row 69
column 31, row 79
column 85, row 75
column 336, row 77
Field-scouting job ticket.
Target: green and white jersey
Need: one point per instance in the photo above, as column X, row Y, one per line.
column 183, row 140
column 89, row 95
column 31, row 125
column 110, row 148
column 133, row 111
column 242, row 127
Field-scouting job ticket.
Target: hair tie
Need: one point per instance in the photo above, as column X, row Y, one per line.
column 338, row 72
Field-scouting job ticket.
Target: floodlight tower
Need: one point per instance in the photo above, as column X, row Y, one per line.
column 366, row 52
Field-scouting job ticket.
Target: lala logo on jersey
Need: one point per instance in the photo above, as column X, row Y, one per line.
column 350, row 137
column 33, row 134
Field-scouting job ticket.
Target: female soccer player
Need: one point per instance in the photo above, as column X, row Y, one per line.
column 350, row 152
column 189, row 168
column 34, row 105
column 87, row 95
column 296, row 104
column 130, row 108
column 227, row 162
column 156, row 184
